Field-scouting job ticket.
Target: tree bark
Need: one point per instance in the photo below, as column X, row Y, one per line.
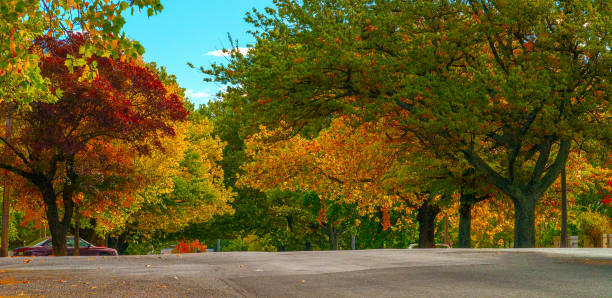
column 524, row 222
column 465, row 224
column 332, row 233
column 426, row 216
column 6, row 194
column 57, row 227
column 58, row 234
column 467, row 200
column 77, row 226
column 5, row 215
column 563, row 209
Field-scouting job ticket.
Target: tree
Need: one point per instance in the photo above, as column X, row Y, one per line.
column 254, row 211
column 126, row 101
column 185, row 182
column 471, row 193
column 351, row 165
column 343, row 165
column 506, row 88
column 22, row 22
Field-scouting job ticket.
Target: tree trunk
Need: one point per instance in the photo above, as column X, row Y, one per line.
column 6, row 201
column 465, row 224
column 290, row 222
column 427, row 218
column 5, row 215
column 446, row 238
column 524, row 222
column 58, row 235
column 56, row 227
column 332, row 233
column 563, row 209
column 77, row 238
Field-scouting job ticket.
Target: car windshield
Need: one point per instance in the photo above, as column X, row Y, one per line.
column 38, row 242
column 70, row 242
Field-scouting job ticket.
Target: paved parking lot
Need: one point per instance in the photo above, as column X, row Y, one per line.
column 381, row 273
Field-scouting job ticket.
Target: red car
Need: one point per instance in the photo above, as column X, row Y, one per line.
column 45, row 248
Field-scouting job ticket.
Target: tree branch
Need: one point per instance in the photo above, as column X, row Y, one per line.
column 556, row 168
column 491, row 175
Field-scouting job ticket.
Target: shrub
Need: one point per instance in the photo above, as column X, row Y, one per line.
column 592, row 225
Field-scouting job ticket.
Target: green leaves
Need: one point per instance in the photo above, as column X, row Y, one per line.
column 502, row 87
column 23, row 21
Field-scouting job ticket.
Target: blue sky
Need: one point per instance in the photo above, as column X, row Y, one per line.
column 191, row 31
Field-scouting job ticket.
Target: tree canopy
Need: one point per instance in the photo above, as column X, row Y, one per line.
column 507, row 88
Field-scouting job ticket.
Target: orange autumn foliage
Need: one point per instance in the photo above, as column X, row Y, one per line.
column 344, row 163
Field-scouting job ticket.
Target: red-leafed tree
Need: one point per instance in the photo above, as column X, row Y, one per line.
column 126, row 103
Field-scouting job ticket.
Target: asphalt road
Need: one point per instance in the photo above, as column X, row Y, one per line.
column 380, row 273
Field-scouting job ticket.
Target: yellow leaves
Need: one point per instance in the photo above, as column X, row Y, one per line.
column 343, row 163
column 12, row 281
column 190, row 157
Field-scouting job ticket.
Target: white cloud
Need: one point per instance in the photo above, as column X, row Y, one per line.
column 220, row 53
column 197, row 94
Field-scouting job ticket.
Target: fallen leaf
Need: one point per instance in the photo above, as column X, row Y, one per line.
column 147, row 265
column 303, row 281
column 90, row 258
column 27, row 261
column 175, row 277
column 61, row 281
column 9, row 281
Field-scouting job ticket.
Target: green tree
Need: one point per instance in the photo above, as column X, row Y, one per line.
column 507, row 86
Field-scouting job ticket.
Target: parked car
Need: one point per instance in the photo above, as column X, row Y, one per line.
column 45, row 248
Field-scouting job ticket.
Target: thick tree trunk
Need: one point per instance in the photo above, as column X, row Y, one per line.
column 57, row 227
column 58, row 235
column 524, row 222
column 465, row 225
column 427, row 218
